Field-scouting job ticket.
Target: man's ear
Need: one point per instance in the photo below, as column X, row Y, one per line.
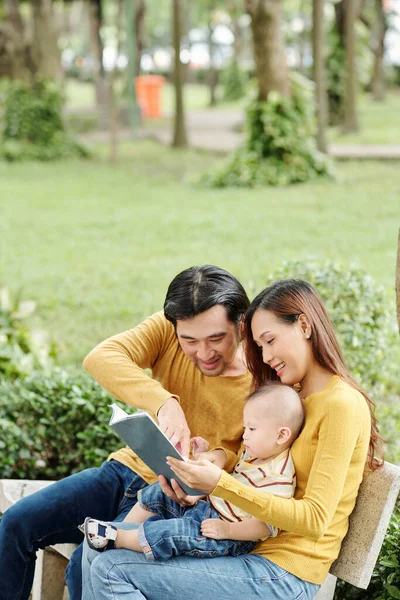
column 283, row 435
column 241, row 328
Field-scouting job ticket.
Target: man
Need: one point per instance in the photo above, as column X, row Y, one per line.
column 198, row 387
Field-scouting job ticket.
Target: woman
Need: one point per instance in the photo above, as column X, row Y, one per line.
column 288, row 336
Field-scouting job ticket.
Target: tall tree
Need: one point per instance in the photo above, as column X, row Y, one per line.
column 96, row 47
column 268, row 46
column 321, row 100
column 140, row 31
column 46, row 53
column 380, row 28
column 180, row 137
column 29, row 52
column 350, row 121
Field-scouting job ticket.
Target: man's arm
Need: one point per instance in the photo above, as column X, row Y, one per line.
column 248, row 529
column 118, row 364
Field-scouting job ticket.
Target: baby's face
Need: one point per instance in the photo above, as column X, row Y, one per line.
column 261, row 431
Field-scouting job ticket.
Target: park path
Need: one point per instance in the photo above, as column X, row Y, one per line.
column 220, row 131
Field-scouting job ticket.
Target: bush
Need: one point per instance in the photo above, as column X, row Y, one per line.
column 53, row 426
column 22, row 349
column 358, row 307
column 32, row 126
column 233, row 82
column 385, row 582
column 280, row 147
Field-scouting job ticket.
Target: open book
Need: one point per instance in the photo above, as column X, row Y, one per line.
column 144, row 436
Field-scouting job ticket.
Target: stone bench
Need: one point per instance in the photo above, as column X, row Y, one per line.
column 368, row 523
column 49, row 581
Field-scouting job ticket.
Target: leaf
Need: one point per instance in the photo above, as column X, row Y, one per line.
column 393, row 591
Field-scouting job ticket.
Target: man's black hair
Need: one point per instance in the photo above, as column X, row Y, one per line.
column 197, row 289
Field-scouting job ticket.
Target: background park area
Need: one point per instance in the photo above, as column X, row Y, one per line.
column 268, row 144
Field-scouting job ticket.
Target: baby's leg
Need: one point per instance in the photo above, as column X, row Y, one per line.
column 129, row 540
column 137, row 514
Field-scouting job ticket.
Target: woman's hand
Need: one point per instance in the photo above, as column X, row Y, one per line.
column 202, row 475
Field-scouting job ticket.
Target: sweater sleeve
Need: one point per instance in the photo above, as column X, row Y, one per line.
column 118, row 363
column 311, row 515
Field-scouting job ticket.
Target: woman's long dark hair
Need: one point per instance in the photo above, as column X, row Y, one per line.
column 287, row 300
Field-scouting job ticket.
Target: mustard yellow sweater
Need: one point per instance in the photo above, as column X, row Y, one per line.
column 213, row 406
column 329, row 458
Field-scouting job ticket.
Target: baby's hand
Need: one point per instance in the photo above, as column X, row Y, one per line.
column 215, row 528
column 199, row 444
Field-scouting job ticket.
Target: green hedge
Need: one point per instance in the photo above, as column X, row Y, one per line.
column 32, row 126
column 53, row 426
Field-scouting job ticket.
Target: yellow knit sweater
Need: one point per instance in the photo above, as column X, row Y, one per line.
column 329, row 458
column 213, row 406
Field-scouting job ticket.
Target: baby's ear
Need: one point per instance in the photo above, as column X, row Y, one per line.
column 284, row 435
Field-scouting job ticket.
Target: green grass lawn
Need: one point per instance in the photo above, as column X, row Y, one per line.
column 379, row 122
column 97, row 244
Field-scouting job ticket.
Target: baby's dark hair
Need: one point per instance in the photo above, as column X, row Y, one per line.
column 282, row 398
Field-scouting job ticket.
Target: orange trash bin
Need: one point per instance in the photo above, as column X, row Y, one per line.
column 148, row 94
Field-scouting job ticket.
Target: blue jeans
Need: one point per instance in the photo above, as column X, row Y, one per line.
column 175, row 530
column 51, row 516
column 127, row 575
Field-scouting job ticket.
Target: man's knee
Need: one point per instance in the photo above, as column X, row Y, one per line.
column 15, row 521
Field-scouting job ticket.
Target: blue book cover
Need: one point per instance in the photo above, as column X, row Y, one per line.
column 145, row 437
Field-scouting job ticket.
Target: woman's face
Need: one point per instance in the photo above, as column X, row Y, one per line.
column 285, row 347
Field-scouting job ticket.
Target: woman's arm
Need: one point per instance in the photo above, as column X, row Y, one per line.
column 310, row 516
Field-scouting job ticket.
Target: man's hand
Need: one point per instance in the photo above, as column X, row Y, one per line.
column 215, row 528
column 176, row 493
column 173, row 423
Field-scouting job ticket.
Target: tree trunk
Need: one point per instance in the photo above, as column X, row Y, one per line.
column 268, row 46
column 321, row 100
column 398, row 281
column 15, row 56
column 212, row 75
column 96, row 48
column 378, row 86
column 45, row 49
column 140, row 31
column 112, row 96
column 179, row 139
column 233, row 7
column 350, row 121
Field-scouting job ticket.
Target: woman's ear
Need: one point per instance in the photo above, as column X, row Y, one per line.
column 284, row 435
column 305, row 326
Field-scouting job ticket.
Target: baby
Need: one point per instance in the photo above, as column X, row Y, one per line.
column 273, row 416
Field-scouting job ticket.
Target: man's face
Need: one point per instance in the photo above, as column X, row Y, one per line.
column 209, row 340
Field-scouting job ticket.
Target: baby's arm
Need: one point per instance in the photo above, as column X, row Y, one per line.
column 248, row 529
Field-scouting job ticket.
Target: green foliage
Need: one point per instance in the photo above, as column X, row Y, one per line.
column 388, row 413
column 385, row 582
column 53, row 425
column 358, row 307
column 32, row 126
column 280, row 148
column 21, row 348
column 233, row 82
